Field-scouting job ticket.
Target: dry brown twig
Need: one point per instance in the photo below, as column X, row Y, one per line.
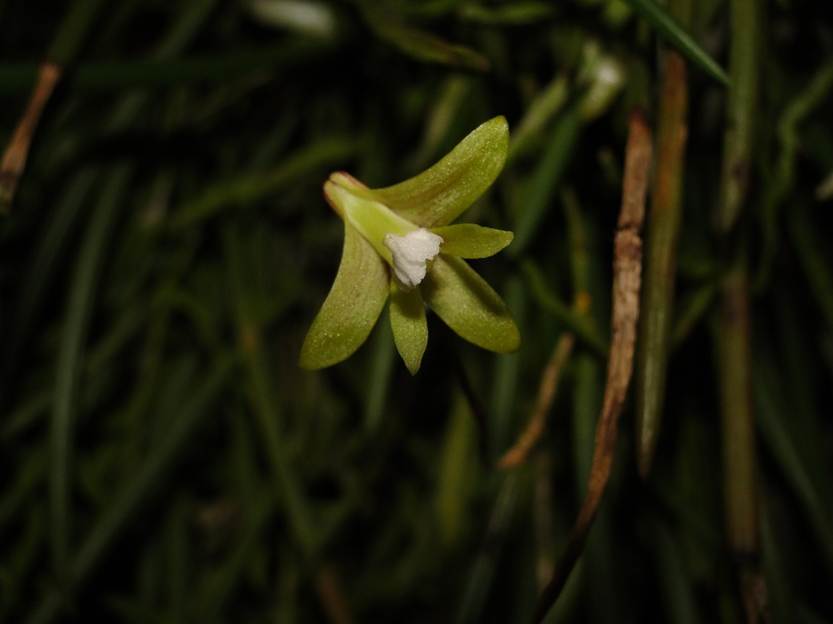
column 14, row 158
column 519, row 451
column 547, row 389
column 627, row 275
column 330, row 592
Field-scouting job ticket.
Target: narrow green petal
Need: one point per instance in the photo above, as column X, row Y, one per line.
column 469, row 306
column 352, row 307
column 468, row 240
column 438, row 196
column 410, row 329
column 372, row 219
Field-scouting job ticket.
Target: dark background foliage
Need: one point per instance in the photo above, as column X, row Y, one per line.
column 169, row 245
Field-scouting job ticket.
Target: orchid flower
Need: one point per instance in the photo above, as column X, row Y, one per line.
column 399, row 242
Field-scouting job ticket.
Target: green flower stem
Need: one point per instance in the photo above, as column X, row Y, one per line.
column 733, row 334
column 661, row 256
column 741, row 118
column 739, row 462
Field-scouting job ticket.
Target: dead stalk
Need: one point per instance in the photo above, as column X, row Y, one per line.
column 627, row 271
column 14, row 158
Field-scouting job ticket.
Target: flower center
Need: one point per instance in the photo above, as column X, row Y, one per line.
column 411, row 253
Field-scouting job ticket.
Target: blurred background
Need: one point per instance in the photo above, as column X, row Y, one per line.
column 163, row 458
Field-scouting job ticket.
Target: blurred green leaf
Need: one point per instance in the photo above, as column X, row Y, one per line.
column 247, row 188
column 307, row 17
column 519, row 12
column 541, row 188
column 418, row 44
column 79, row 313
column 668, row 28
column 457, row 461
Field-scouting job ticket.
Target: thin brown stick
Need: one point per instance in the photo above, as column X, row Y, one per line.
column 547, row 388
column 331, row 594
column 627, row 272
column 14, row 158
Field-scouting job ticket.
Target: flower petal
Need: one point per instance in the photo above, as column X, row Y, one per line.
column 354, row 303
column 469, row 306
column 410, row 329
column 438, row 196
column 468, row 240
column 372, row 219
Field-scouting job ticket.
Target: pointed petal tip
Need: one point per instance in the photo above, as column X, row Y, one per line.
column 438, row 195
column 468, row 240
column 342, row 178
column 308, row 362
column 469, row 306
column 351, row 308
column 408, row 322
column 513, row 340
column 331, row 197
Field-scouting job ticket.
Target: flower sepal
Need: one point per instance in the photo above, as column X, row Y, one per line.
column 400, row 243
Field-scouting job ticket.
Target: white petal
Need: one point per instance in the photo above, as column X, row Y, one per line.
column 411, row 253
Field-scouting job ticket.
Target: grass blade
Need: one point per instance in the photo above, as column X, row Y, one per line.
column 661, row 257
column 673, row 33
column 70, row 359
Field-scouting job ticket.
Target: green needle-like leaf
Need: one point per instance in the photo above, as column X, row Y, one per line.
column 668, row 28
column 352, row 307
column 420, row 44
column 440, row 194
column 469, row 306
column 468, row 240
column 410, row 329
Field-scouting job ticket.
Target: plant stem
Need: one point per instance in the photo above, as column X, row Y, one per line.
column 64, row 48
column 70, row 359
column 734, row 331
column 627, row 275
column 740, row 117
column 736, row 407
column 661, row 257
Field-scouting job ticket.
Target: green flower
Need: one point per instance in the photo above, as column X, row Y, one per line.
column 398, row 243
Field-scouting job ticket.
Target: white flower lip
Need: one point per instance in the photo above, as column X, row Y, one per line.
column 411, row 253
